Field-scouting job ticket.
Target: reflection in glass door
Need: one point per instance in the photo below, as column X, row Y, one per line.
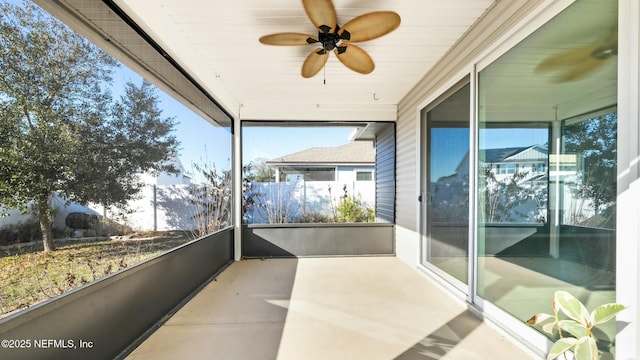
column 446, row 211
column 542, row 230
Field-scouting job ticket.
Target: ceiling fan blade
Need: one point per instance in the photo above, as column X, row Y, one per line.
column 566, row 58
column 371, row 25
column 321, row 12
column 355, row 58
column 288, row 38
column 580, row 70
column 314, row 63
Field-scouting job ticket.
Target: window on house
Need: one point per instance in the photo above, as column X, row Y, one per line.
column 364, row 176
column 507, row 169
column 445, row 134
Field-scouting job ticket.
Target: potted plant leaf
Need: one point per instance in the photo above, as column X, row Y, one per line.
column 579, row 325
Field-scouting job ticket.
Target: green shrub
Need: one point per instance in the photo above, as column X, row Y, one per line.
column 351, row 209
column 21, row 232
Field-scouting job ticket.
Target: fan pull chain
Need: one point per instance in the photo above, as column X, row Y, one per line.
column 324, row 74
column 324, row 70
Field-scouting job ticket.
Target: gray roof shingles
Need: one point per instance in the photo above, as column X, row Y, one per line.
column 356, row 152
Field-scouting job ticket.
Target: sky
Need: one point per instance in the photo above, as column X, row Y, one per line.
column 200, row 141
column 272, row 142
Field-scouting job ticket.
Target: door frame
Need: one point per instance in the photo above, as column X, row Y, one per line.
column 462, row 290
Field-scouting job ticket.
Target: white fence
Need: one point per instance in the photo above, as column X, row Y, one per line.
column 175, row 207
column 293, row 201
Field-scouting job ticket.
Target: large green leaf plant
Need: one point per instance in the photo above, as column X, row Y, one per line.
column 579, row 324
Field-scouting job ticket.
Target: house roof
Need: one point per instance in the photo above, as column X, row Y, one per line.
column 498, row 155
column 356, row 152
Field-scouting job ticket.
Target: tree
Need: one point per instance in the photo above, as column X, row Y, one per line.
column 260, row 171
column 595, row 142
column 501, row 200
column 61, row 131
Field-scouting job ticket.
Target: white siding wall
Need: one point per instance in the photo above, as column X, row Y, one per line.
column 348, row 174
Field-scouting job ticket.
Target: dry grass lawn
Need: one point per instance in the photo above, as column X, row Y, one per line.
column 28, row 275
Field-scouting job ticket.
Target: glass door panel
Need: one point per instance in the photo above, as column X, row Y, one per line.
column 547, row 150
column 446, row 220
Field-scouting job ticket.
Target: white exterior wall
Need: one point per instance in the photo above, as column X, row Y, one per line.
column 348, row 174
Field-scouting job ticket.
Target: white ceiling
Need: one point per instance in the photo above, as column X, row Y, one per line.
column 216, row 42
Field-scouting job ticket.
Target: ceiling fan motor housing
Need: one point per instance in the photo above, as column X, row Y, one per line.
column 331, row 40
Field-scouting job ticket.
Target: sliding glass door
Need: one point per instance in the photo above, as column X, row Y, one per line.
column 523, row 202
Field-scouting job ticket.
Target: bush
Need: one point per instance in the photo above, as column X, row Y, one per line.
column 351, row 209
column 315, row 217
column 22, row 232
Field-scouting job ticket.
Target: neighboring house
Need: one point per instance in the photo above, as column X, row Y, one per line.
column 529, row 162
column 534, row 160
column 347, row 163
column 536, row 166
column 505, row 162
column 312, row 182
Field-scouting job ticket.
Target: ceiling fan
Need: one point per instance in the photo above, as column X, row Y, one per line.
column 331, row 36
column 577, row 63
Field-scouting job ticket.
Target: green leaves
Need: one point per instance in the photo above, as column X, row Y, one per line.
column 560, row 347
column 60, row 129
column 572, row 307
column 586, row 349
column 604, row 313
column 580, row 324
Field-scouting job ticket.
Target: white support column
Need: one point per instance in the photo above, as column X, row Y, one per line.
column 628, row 218
column 553, row 216
column 236, row 155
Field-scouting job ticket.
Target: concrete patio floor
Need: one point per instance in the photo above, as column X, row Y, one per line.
column 325, row 308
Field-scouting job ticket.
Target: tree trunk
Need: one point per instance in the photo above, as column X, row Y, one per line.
column 45, row 223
